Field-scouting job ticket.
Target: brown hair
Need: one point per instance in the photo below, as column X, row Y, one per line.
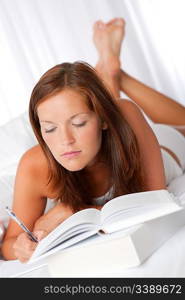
column 119, row 144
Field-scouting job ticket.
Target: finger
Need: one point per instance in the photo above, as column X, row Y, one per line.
column 40, row 234
column 23, row 258
column 23, row 254
column 24, row 240
column 23, row 245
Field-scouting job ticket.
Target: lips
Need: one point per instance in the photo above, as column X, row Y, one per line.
column 68, row 153
column 71, row 154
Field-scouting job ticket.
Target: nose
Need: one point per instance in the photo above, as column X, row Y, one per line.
column 66, row 136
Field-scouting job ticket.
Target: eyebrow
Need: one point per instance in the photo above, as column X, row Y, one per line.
column 72, row 117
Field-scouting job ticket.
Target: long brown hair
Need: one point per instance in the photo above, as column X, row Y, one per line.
column 119, row 144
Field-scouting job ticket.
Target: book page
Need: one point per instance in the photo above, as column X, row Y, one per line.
column 85, row 220
column 132, row 209
column 60, row 246
column 71, row 233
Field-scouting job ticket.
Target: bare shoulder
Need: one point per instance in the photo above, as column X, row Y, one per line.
column 130, row 109
column 34, row 159
column 134, row 115
column 30, row 189
column 33, row 166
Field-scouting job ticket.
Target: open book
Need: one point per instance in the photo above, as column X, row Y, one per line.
column 110, row 254
column 120, row 213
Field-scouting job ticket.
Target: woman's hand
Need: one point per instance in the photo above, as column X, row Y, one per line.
column 92, row 206
column 24, row 247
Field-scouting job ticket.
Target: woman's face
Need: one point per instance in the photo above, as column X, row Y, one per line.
column 68, row 125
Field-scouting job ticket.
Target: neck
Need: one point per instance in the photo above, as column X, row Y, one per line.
column 94, row 169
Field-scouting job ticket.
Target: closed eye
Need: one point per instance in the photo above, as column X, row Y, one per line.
column 50, row 130
column 76, row 125
column 80, row 124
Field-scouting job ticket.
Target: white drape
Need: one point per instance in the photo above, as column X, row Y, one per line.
column 37, row 34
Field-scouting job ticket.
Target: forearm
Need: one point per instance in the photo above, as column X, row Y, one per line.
column 52, row 219
column 56, row 216
column 159, row 107
column 7, row 248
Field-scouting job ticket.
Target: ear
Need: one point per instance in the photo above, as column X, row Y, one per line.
column 104, row 125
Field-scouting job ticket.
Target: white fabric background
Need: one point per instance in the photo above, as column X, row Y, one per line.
column 37, row 34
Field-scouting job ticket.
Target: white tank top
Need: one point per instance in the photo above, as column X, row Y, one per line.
column 103, row 199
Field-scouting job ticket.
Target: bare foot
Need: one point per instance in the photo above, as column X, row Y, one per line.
column 108, row 36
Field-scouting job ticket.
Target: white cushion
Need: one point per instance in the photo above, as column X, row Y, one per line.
column 177, row 186
column 16, row 137
column 6, row 188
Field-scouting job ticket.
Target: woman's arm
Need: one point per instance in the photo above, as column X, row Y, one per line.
column 29, row 200
column 150, row 150
column 55, row 216
column 30, row 196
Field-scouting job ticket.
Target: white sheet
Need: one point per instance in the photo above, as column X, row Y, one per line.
column 167, row 261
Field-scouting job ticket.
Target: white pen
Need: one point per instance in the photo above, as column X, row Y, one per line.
column 14, row 217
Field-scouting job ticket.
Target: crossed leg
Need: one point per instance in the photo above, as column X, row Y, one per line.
column 159, row 108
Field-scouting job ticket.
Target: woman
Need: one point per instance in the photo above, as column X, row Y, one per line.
column 114, row 149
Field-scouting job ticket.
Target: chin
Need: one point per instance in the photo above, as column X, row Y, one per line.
column 74, row 168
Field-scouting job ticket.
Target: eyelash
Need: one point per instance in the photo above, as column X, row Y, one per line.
column 77, row 125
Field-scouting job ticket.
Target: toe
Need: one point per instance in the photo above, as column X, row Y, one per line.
column 101, row 24
column 111, row 21
column 120, row 21
column 98, row 24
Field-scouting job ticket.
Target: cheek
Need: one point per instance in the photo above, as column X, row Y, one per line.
column 46, row 138
column 91, row 137
column 50, row 141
